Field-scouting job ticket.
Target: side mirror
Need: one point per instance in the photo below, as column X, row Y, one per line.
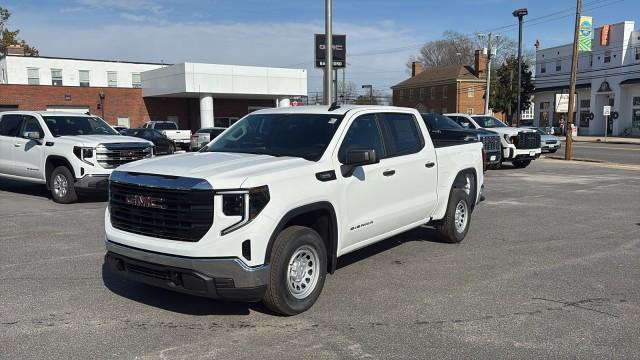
column 357, row 158
column 31, row 135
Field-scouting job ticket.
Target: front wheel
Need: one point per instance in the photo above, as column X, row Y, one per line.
column 298, row 270
column 172, row 149
column 62, row 186
column 552, row 151
column 521, row 164
column 455, row 225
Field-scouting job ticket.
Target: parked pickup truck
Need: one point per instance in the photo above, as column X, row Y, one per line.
column 181, row 138
column 264, row 210
column 66, row 151
column 519, row 145
column 446, row 132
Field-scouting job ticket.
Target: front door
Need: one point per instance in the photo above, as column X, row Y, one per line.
column 27, row 154
column 367, row 192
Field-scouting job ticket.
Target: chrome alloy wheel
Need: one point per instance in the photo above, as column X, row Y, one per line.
column 303, row 272
column 60, row 186
column 462, row 216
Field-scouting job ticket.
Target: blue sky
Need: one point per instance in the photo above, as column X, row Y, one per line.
column 280, row 33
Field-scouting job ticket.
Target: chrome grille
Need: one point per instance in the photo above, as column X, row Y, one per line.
column 110, row 156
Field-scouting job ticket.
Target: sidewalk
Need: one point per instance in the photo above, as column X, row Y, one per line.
column 610, row 139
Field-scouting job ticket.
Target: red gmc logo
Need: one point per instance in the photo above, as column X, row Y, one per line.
column 145, row 201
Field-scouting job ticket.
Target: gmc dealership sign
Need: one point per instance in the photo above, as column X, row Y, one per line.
column 339, row 50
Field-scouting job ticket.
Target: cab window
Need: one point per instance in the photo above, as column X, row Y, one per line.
column 30, row 124
column 402, row 135
column 10, row 124
column 363, row 134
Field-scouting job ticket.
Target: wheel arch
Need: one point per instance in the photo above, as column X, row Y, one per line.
column 319, row 216
column 52, row 162
column 460, row 182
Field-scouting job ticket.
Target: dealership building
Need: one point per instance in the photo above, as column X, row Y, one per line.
column 194, row 95
column 608, row 75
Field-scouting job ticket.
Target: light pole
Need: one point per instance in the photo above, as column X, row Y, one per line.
column 490, row 54
column 370, row 87
column 520, row 14
column 328, row 52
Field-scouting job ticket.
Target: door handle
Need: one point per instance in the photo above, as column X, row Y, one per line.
column 389, row 172
column 17, row 145
column 430, row 164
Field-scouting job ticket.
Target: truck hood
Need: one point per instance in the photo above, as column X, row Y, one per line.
column 94, row 140
column 222, row 170
column 508, row 130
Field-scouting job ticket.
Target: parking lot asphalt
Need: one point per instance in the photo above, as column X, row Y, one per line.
column 550, row 268
column 614, row 153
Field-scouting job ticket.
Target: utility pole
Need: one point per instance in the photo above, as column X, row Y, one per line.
column 487, row 93
column 568, row 149
column 520, row 14
column 335, row 86
column 328, row 52
column 370, row 87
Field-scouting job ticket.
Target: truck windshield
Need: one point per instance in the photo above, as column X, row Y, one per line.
column 165, row 126
column 489, row 122
column 440, row 122
column 78, row 125
column 298, row 135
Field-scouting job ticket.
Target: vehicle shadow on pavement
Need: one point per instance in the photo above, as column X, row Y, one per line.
column 174, row 301
column 423, row 233
column 39, row 190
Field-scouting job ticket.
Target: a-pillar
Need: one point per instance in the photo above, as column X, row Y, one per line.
column 206, row 111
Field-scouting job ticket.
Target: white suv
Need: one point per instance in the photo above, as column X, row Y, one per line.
column 65, row 151
column 519, row 145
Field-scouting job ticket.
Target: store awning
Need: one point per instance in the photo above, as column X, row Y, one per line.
column 562, row 88
column 630, row 81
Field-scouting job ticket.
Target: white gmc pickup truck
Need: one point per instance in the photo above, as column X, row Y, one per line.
column 264, row 211
column 66, row 151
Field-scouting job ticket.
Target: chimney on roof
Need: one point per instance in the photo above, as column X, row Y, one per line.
column 416, row 68
column 480, row 64
column 15, row 50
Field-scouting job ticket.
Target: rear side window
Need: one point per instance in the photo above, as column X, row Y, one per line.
column 10, row 124
column 363, row 134
column 402, row 134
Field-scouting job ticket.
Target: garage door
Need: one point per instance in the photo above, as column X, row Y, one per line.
column 73, row 109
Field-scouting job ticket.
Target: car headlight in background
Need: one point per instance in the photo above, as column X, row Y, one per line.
column 246, row 203
column 84, row 153
column 149, row 151
column 507, row 138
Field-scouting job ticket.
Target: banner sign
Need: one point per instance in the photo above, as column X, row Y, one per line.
column 339, row 50
column 585, row 34
column 604, row 35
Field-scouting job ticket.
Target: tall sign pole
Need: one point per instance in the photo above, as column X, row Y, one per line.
column 520, row 14
column 328, row 67
column 568, row 149
column 487, row 93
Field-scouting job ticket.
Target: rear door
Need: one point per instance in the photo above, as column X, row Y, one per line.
column 9, row 128
column 411, row 161
column 28, row 154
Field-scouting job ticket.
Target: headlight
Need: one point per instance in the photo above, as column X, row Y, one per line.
column 148, row 151
column 507, row 138
column 84, row 153
column 246, row 203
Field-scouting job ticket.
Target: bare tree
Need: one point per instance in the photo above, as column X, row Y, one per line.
column 458, row 48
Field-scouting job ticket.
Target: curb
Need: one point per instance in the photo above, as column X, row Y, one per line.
column 577, row 159
column 616, row 142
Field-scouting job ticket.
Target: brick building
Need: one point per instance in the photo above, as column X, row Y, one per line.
column 444, row 89
column 130, row 93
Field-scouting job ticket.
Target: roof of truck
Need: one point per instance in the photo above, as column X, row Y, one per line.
column 324, row 109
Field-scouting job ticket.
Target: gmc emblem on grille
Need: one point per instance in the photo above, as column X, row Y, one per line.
column 145, row 201
column 128, row 153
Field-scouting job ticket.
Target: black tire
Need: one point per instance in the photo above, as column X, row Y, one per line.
column 552, row 151
column 279, row 297
column 495, row 166
column 521, row 164
column 61, row 184
column 447, row 228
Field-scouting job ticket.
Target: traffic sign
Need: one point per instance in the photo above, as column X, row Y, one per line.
column 606, row 110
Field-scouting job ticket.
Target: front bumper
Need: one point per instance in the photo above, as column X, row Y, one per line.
column 548, row 147
column 494, row 157
column 512, row 153
column 226, row 278
column 93, row 182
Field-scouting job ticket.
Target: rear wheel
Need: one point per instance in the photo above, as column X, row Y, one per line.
column 455, row 224
column 62, row 186
column 521, row 164
column 172, row 149
column 298, row 270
